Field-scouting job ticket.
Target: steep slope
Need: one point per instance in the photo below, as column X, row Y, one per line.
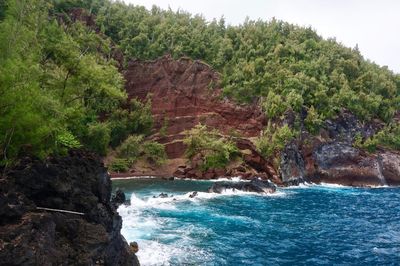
column 185, row 93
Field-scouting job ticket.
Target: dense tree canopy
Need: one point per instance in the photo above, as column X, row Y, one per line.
column 215, row 151
column 56, row 81
column 276, row 64
column 280, row 64
column 60, row 87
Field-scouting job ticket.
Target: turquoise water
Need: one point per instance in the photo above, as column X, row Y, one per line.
column 308, row 225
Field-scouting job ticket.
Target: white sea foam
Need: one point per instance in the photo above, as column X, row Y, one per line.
column 152, row 253
column 168, row 202
column 142, row 224
column 231, row 179
column 321, row 185
column 134, row 177
column 331, row 185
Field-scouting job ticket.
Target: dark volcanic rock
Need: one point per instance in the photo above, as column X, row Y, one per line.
column 193, row 194
column 341, row 163
column 331, row 157
column 292, row 167
column 119, row 197
column 331, row 154
column 79, row 183
column 255, row 185
column 346, row 126
column 390, row 163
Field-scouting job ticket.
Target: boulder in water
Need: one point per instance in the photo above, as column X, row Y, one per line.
column 255, row 185
column 194, row 194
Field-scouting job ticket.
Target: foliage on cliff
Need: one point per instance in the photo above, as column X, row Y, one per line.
column 388, row 137
column 60, row 87
column 273, row 139
column 57, row 83
column 135, row 147
column 282, row 65
column 215, row 150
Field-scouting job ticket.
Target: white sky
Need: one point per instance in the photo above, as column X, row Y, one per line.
column 372, row 24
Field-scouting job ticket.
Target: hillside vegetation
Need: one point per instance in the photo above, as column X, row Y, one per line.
column 283, row 65
column 60, row 87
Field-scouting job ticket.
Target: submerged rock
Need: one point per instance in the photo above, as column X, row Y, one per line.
column 77, row 183
column 255, row 185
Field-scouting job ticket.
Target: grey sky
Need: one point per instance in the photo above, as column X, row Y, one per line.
column 372, row 24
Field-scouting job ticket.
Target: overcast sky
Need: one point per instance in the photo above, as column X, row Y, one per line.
column 372, row 24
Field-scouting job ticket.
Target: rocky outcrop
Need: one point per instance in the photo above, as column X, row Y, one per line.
column 331, row 157
column 390, row 167
column 87, row 234
column 118, row 198
column 255, row 185
column 292, row 166
column 344, row 164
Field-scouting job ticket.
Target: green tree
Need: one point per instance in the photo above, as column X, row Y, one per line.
column 216, row 150
column 98, row 137
column 28, row 120
column 135, row 148
column 273, row 139
column 313, row 121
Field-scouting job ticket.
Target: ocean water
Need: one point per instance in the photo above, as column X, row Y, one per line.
column 306, row 225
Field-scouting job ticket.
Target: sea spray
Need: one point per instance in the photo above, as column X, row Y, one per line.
column 310, row 224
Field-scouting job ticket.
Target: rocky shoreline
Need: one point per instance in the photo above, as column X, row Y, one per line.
column 181, row 99
column 60, row 212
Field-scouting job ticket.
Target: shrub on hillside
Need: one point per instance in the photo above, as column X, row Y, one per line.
column 216, row 150
column 274, row 139
column 135, row 148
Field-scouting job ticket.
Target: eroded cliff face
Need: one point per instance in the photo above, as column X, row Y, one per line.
column 78, row 182
column 185, row 92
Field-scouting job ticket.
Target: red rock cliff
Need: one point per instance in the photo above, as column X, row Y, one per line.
column 184, row 93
